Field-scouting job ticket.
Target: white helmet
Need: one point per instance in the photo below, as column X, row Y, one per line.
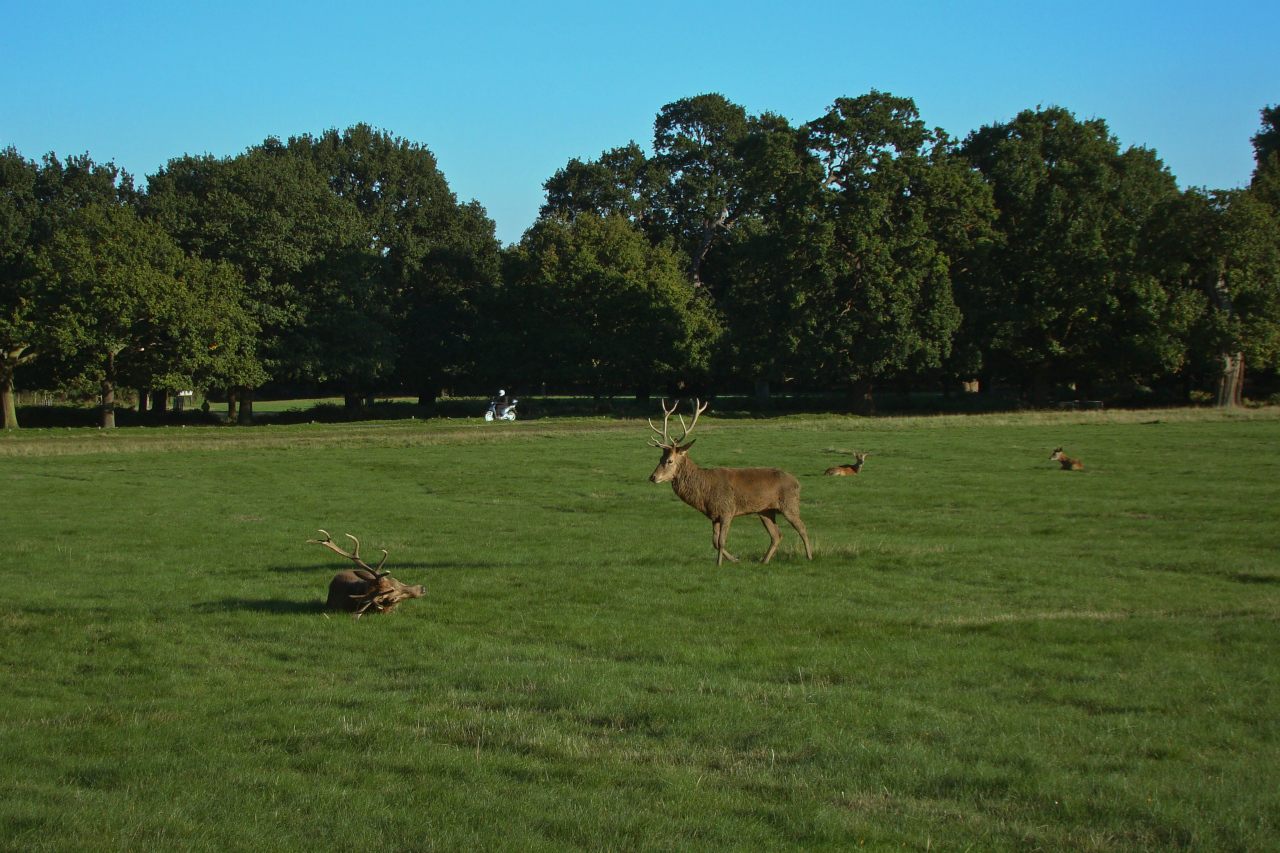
column 501, row 392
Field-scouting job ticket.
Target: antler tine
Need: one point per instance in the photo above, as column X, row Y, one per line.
column 328, row 542
column 327, row 538
column 666, row 416
column 377, row 573
column 698, row 409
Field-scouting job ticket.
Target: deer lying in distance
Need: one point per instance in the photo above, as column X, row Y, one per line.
column 723, row 494
column 1068, row 464
column 359, row 590
column 844, row 470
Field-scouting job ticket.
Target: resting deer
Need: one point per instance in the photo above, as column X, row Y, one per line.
column 360, row 590
column 723, row 494
column 1068, row 464
column 843, row 470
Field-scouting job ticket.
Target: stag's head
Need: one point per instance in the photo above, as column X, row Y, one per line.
column 673, row 452
column 1057, row 456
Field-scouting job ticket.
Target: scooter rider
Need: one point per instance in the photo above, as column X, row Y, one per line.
column 501, row 408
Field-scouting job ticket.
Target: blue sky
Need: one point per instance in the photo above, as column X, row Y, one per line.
column 505, row 93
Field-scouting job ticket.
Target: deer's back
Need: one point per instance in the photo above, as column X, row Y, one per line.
column 346, row 584
column 739, row 491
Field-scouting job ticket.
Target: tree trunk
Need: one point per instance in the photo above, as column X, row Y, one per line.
column 352, row 404
column 142, row 403
column 762, row 391
column 428, row 392
column 1231, row 383
column 6, row 395
column 1232, row 363
column 708, row 234
column 159, row 403
column 108, row 404
column 10, row 359
column 232, row 391
column 1040, row 387
column 246, row 406
column 862, row 398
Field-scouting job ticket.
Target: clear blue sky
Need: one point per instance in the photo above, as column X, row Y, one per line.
column 505, row 93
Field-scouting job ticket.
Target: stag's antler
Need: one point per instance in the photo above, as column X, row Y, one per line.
column 328, row 542
column 379, row 598
column 666, row 443
column 697, row 412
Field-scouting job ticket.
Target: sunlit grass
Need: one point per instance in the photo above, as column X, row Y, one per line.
column 986, row 651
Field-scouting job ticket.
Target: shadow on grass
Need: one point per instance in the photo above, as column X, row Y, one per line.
column 317, row 568
column 278, row 606
column 1246, row 577
column 334, row 568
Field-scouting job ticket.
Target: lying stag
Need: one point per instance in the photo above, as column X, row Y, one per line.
column 1068, row 464
column 843, row 470
column 360, row 590
column 723, row 494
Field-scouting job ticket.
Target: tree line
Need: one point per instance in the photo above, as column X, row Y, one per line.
column 858, row 250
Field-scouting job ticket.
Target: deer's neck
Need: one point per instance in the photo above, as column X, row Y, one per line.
column 689, row 484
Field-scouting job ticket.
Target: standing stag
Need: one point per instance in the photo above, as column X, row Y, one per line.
column 1068, row 464
column 723, row 494
column 362, row 589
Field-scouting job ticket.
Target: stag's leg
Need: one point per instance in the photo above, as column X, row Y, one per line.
column 793, row 516
column 723, row 528
column 771, row 527
column 715, row 542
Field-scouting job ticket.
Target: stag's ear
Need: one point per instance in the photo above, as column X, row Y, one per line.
column 686, row 447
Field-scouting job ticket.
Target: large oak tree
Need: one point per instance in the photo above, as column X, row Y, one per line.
column 126, row 301
column 34, row 201
column 1065, row 283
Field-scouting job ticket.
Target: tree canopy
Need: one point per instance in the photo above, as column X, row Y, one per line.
column 857, row 249
column 35, row 200
column 128, row 304
column 1058, row 292
column 592, row 301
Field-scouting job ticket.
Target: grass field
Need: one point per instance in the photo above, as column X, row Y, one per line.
column 986, row 653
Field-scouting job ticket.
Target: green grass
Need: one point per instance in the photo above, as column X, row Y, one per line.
column 986, row 653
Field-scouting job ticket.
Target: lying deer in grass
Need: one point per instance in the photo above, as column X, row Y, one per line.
column 1068, row 464
column 843, row 470
column 723, row 494
column 360, row 590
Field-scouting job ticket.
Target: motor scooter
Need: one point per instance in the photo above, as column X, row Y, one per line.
column 499, row 412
